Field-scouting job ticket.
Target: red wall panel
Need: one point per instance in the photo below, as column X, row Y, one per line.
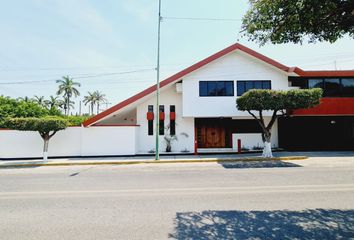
column 329, row 106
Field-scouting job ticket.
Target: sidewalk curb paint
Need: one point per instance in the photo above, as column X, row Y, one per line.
column 122, row 162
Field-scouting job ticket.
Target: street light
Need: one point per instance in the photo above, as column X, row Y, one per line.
column 157, row 152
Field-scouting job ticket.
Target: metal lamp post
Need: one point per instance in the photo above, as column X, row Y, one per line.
column 157, row 152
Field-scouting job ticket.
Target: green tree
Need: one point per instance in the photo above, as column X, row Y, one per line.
column 47, row 127
column 19, row 108
column 283, row 21
column 90, row 99
column 25, row 99
column 276, row 101
column 99, row 99
column 67, row 88
column 40, row 100
column 53, row 102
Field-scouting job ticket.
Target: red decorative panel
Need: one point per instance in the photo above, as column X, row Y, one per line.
column 162, row 116
column 329, row 106
column 172, row 116
column 150, row 116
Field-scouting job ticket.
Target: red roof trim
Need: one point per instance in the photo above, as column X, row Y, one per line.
column 338, row 73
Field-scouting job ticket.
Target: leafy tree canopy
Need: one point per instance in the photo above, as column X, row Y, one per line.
column 42, row 125
column 76, row 120
column 282, row 21
column 259, row 99
column 15, row 108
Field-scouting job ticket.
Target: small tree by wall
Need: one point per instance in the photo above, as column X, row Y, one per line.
column 169, row 138
column 277, row 102
column 47, row 127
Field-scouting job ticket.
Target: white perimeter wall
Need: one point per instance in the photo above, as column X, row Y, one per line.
column 168, row 97
column 232, row 67
column 74, row 141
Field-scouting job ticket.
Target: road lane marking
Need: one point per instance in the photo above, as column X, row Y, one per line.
column 189, row 191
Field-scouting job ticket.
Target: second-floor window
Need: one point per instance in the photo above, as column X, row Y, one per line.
column 244, row 86
column 216, row 88
column 333, row 87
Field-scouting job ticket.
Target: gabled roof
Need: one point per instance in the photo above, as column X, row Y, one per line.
column 176, row 77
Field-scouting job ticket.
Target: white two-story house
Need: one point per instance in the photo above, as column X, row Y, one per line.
column 198, row 104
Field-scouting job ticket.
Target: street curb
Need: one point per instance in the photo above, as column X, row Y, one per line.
column 77, row 163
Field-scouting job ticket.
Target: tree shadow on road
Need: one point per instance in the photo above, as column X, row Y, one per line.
column 258, row 164
column 81, row 171
column 307, row 224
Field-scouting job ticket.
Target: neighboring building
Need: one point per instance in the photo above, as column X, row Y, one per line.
column 200, row 102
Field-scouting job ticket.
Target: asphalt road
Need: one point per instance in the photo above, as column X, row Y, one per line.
column 268, row 200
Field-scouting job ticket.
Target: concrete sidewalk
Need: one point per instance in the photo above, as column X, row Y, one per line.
column 146, row 160
column 282, row 156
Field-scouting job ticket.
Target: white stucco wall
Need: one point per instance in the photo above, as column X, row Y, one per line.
column 74, row 141
column 98, row 141
column 232, row 67
column 18, row 144
column 168, row 97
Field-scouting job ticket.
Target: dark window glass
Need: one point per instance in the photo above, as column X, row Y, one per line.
column 244, row 86
column 172, row 122
column 220, row 88
column 203, row 89
column 173, row 127
column 332, row 87
column 246, row 126
column 150, row 127
column 266, row 85
column 249, row 85
column 212, row 90
column 150, row 122
column 315, row 83
column 162, row 127
column 162, row 122
column 216, row 88
column 348, row 87
column 229, row 86
column 258, row 85
column 241, row 88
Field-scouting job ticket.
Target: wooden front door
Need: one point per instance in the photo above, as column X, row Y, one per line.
column 211, row 134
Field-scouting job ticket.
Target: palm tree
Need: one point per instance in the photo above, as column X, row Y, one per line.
column 25, row 99
column 40, row 100
column 63, row 104
column 99, row 98
column 91, row 100
column 53, row 102
column 67, row 89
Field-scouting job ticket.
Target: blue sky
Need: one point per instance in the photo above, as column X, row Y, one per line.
column 42, row 40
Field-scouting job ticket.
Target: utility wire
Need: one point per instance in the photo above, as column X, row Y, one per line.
column 203, row 19
column 90, row 76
